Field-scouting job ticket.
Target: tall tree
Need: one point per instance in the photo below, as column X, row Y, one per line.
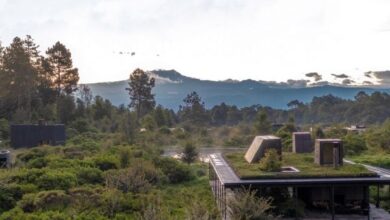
column 262, row 125
column 18, row 77
column 65, row 77
column 140, row 91
column 193, row 110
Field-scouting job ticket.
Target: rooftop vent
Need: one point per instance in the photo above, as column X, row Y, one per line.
column 329, row 152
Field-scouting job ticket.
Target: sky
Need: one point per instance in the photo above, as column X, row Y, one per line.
column 271, row 40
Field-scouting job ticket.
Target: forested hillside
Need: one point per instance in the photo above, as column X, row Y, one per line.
column 172, row 86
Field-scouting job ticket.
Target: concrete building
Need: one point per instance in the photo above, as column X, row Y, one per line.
column 260, row 145
column 32, row 135
column 329, row 152
column 302, row 142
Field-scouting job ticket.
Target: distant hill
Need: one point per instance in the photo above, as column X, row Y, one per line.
column 172, row 87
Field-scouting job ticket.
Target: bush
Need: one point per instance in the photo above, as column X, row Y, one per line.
column 124, row 156
column 190, row 153
column 174, row 170
column 32, row 154
column 271, row 161
column 164, row 130
column 89, row 176
column 39, row 162
column 8, row 197
column 354, row 144
column 138, row 178
column 55, row 179
column 45, row 200
column 245, row 204
column 106, row 162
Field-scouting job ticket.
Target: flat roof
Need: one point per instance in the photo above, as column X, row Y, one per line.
column 228, row 177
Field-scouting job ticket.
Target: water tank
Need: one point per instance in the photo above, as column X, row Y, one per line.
column 5, row 159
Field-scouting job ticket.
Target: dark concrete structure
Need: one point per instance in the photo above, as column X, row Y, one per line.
column 329, row 152
column 260, row 145
column 5, row 159
column 31, row 135
column 302, row 142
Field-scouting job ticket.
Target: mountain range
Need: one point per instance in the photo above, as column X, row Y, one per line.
column 172, row 87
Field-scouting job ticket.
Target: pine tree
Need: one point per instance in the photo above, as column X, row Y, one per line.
column 65, row 77
column 18, row 77
column 262, row 125
column 189, row 153
column 140, row 91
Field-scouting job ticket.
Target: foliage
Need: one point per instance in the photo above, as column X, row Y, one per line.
column 245, row 204
column 140, row 92
column 261, row 124
column 354, row 144
column 174, row 170
column 193, row 110
column 271, row 161
column 189, row 153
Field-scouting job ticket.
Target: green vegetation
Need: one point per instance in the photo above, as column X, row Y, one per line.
column 303, row 162
column 271, row 162
column 380, row 160
column 116, row 181
column 244, row 204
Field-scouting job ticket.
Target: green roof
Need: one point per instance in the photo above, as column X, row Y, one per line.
column 304, row 162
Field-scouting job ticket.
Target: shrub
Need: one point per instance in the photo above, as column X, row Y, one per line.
column 271, row 161
column 45, row 200
column 164, row 130
column 244, row 204
column 124, row 156
column 106, row 162
column 85, row 198
column 29, row 176
column 190, row 153
column 137, row 178
column 32, row 154
column 56, row 180
column 175, row 171
column 39, row 162
column 89, row 175
column 354, row 144
column 8, row 196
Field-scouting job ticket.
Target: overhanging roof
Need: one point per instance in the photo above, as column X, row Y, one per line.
column 228, row 178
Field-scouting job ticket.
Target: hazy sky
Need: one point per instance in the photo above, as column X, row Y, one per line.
column 210, row 39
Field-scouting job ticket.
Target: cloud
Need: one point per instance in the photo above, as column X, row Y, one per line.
column 368, row 83
column 383, row 77
column 314, row 75
column 347, row 82
column 341, row 76
column 368, row 74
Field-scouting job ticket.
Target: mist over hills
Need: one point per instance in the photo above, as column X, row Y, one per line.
column 171, row 88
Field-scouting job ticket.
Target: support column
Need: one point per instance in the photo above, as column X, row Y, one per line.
column 295, row 196
column 366, row 201
column 377, row 197
column 332, row 201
